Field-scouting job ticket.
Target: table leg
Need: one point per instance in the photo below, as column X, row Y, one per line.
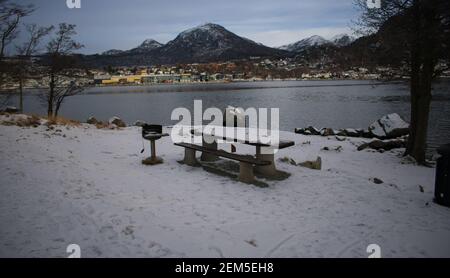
column 207, row 157
column 246, row 174
column 189, row 157
column 268, row 170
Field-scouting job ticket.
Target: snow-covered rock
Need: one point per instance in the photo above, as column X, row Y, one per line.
column 351, row 132
column 389, row 126
column 139, row 123
column 11, row 109
column 377, row 130
column 117, row 121
column 92, row 120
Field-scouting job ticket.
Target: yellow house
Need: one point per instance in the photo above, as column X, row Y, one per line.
column 125, row 79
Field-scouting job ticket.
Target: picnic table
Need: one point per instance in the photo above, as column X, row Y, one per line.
column 263, row 160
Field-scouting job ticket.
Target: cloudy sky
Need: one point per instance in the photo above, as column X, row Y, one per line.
column 124, row 24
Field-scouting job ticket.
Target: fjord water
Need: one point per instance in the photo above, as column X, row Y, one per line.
column 336, row 104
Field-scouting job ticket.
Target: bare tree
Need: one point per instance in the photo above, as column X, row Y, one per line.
column 61, row 68
column 415, row 32
column 10, row 16
column 24, row 67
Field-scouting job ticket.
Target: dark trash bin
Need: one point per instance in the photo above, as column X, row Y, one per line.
column 442, row 186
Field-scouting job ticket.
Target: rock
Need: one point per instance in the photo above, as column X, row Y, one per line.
column 422, row 190
column 377, row 181
column 314, row 165
column 117, row 121
column 350, row 132
column 341, row 132
column 376, row 130
column 299, row 130
column 11, row 110
column 139, row 123
column 313, row 130
column 92, row 121
column 394, row 126
column 288, row 160
column 383, row 145
column 389, row 126
column 366, row 134
column 112, row 126
column 327, row 132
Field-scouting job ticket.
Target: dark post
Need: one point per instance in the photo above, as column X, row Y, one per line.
column 442, row 186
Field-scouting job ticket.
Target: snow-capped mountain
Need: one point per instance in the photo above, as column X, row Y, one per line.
column 305, row 43
column 144, row 47
column 205, row 43
column 211, row 42
column 342, row 40
column 314, row 41
column 147, row 45
column 112, row 52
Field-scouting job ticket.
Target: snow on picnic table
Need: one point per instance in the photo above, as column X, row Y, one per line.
column 87, row 186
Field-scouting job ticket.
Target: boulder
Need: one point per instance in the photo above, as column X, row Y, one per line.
column 394, row 126
column 313, row 130
column 381, row 145
column 299, row 130
column 327, row 132
column 117, row 121
column 341, row 132
column 376, row 130
column 11, row 110
column 389, row 126
column 314, row 165
column 92, row 121
column 139, row 123
column 351, row 132
column 377, row 181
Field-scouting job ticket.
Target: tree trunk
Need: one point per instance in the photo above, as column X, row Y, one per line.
column 50, row 96
column 422, row 69
column 21, row 94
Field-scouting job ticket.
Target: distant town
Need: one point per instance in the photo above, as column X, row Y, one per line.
column 249, row 70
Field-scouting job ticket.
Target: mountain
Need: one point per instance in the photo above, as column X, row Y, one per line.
column 205, row 43
column 318, row 41
column 146, row 46
column 210, row 42
column 305, row 43
column 112, row 52
column 342, row 40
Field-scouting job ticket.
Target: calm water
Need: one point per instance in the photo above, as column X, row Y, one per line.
column 336, row 104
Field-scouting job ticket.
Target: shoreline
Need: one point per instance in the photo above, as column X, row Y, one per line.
column 381, row 82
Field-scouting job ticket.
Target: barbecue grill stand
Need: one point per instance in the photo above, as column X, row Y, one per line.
column 152, row 133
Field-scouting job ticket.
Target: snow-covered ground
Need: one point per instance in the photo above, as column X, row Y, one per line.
column 87, row 186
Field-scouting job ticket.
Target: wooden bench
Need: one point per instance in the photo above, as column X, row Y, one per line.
column 246, row 162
